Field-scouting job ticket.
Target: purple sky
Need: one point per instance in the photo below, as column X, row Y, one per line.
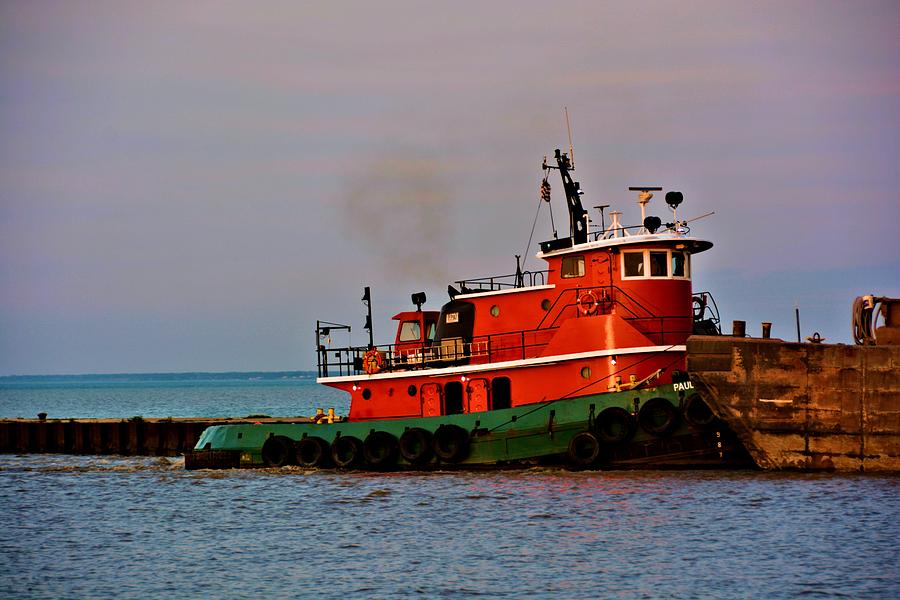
column 189, row 186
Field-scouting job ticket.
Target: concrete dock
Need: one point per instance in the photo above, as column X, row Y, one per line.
column 804, row 406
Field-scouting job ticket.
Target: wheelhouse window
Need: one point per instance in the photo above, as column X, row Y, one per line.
column 659, row 264
column 681, row 264
column 410, row 331
column 572, row 266
column 634, row 264
column 656, row 263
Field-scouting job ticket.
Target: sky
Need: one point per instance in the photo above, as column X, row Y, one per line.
column 188, row 186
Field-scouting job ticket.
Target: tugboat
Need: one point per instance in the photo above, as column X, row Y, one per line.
column 581, row 363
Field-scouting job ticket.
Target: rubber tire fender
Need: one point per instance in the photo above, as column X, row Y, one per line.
column 347, row 452
column 451, row 443
column 614, row 426
column 312, row 452
column 278, row 451
column 415, row 446
column 584, row 449
column 380, row 450
column 658, row 417
column 697, row 413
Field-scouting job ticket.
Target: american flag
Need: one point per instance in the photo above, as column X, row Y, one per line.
column 545, row 190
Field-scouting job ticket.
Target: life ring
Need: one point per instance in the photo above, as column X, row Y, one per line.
column 658, row 417
column 451, row 443
column 698, row 307
column 614, row 425
column 587, row 303
column 415, row 446
column 380, row 450
column 373, row 361
column 278, row 451
column 311, row 452
column 346, row 452
column 584, row 449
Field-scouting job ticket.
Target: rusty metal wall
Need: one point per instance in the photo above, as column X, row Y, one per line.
column 159, row 437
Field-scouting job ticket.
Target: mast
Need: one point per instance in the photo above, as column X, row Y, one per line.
column 578, row 230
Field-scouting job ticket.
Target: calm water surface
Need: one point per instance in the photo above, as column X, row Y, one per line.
column 162, row 395
column 106, row 527
column 103, row 527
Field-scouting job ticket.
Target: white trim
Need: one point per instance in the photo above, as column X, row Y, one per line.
column 509, row 364
column 509, row 291
column 627, row 241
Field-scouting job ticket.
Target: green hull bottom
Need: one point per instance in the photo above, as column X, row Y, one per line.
column 654, row 427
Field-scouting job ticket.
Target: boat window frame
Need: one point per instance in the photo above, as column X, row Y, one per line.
column 641, row 266
column 404, row 331
column 685, row 267
column 645, row 252
column 655, row 262
column 578, row 261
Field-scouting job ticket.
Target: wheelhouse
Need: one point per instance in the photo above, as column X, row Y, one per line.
column 415, row 334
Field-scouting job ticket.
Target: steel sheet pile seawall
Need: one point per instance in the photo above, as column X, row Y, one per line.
column 136, row 436
column 804, row 406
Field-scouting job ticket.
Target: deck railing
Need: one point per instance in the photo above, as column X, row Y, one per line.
column 502, row 282
column 514, row 345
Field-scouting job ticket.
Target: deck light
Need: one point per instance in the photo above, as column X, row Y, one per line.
column 613, row 360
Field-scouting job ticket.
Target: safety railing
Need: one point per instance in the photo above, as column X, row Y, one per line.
column 583, row 302
column 502, row 282
column 449, row 352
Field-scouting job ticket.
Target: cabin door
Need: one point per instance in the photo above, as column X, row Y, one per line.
column 431, row 399
column 602, row 279
column 601, row 269
column 477, row 395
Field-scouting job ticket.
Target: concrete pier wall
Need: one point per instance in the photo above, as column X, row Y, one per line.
column 804, row 406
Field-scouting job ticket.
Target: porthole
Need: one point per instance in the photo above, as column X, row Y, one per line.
column 545, row 304
column 586, row 372
column 411, row 390
column 495, row 310
column 366, row 393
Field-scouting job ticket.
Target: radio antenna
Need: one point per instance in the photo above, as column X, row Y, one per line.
column 569, row 129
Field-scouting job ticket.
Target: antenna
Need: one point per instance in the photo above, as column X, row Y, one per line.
column 569, row 129
column 602, row 219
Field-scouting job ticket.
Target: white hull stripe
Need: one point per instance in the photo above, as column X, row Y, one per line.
column 509, row 291
column 509, row 364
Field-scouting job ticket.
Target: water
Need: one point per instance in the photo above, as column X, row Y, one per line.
column 167, row 395
column 76, row 527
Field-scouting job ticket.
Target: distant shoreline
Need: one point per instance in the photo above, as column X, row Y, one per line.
column 181, row 376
